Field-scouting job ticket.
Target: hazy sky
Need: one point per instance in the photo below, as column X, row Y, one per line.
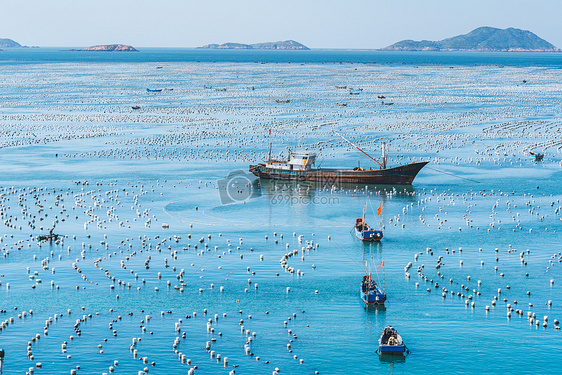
column 315, row 23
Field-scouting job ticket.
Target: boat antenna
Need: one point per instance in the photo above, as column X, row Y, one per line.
column 269, row 157
column 357, row 147
column 365, row 210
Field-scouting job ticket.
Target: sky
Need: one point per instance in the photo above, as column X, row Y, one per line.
column 354, row 24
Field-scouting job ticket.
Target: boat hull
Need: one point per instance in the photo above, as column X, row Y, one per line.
column 403, row 175
column 392, row 349
column 369, row 235
column 373, row 299
column 391, row 342
column 371, row 294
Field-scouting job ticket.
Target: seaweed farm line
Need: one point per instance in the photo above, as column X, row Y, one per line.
column 166, row 264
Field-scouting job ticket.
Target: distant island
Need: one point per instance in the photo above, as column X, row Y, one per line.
column 482, row 39
column 9, row 43
column 285, row 45
column 109, row 48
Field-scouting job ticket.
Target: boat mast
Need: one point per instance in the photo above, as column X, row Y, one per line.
column 383, row 279
column 370, row 272
column 364, row 216
column 384, row 155
column 269, row 156
column 354, row 145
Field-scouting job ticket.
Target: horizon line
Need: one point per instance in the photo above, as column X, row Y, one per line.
column 257, row 49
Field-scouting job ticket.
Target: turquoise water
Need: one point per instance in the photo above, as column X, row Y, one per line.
column 72, row 145
column 315, row 56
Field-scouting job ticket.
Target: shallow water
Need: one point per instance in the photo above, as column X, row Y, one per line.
column 72, row 145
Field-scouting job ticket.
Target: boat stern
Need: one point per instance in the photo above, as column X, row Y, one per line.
column 392, row 349
column 372, row 235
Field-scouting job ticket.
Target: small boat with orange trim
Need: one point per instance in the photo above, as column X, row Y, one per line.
column 370, row 292
column 363, row 231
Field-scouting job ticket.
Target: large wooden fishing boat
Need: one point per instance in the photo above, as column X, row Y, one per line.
column 299, row 168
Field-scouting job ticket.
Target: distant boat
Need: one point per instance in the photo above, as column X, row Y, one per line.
column 135, row 107
column 48, row 237
column 370, row 292
column 538, row 156
column 283, row 101
column 366, row 233
column 153, row 90
column 391, row 342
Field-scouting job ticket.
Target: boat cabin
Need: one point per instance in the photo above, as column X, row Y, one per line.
column 360, row 225
column 368, row 284
column 390, row 337
column 298, row 161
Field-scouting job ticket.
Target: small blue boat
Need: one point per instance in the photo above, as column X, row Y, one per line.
column 390, row 343
column 538, row 156
column 153, row 90
column 365, row 233
column 371, row 293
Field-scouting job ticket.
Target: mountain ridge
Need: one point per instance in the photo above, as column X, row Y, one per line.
column 280, row 45
column 482, row 39
column 9, row 43
column 109, row 48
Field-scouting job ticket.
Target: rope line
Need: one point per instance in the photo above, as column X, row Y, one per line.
column 454, row 175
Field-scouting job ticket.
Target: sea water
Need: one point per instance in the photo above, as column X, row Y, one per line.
column 76, row 156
